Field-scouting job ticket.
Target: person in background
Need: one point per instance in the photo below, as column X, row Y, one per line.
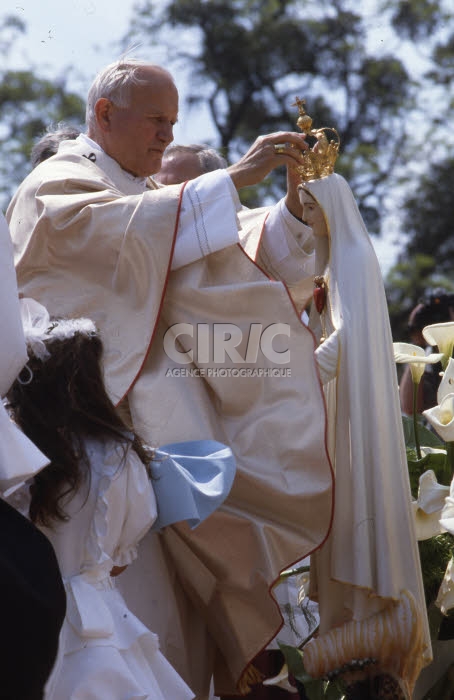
column 436, row 307
column 48, row 144
column 181, row 163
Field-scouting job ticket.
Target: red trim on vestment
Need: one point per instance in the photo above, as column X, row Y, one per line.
column 270, row 588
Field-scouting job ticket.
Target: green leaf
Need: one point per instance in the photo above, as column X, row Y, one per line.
column 416, row 467
column 316, row 689
column 426, row 437
column 323, row 690
column 333, row 692
column 437, row 462
column 294, row 660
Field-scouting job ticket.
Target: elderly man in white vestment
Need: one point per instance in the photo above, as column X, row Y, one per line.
column 203, row 341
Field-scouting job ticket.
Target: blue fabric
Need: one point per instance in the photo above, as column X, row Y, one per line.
column 191, row 480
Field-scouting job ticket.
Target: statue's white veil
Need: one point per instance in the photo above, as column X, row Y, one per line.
column 371, row 555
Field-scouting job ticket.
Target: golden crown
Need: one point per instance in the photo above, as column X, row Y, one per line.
column 318, row 161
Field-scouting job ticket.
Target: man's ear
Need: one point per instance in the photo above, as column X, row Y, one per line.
column 103, row 112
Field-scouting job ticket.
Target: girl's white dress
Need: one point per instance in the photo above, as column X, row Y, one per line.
column 106, row 653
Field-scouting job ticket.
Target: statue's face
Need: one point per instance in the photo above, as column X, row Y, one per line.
column 136, row 136
column 313, row 214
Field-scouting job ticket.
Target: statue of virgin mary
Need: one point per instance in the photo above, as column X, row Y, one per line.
column 366, row 577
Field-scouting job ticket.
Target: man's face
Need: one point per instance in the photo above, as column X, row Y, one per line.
column 136, row 136
column 179, row 168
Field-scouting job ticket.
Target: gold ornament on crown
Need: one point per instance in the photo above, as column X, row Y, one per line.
column 318, row 161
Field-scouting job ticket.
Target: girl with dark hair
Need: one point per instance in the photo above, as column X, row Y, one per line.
column 95, row 501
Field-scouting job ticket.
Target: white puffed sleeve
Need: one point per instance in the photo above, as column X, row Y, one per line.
column 141, row 510
column 126, row 506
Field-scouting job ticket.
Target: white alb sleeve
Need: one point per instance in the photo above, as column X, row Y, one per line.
column 288, row 245
column 327, row 357
column 208, row 219
column 13, row 352
column 20, row 459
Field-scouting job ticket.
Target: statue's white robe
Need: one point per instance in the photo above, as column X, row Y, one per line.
column 371, row 555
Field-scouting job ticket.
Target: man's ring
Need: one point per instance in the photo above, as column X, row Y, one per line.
column 279, row 149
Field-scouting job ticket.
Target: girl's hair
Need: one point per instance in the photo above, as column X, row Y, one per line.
column 64, row 403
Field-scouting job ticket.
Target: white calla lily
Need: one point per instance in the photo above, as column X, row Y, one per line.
column 441, row 418
column 281, row 680
column 447, row 382
column 426, row 450
column 445, row 598
column 428, row 509
column 416, row 358
column 441, row 335
column 427, row 525
column 431, row 495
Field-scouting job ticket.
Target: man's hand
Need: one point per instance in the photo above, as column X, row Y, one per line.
column 262, row 157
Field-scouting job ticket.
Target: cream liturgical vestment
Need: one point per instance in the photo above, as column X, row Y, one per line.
column 20, row 459
column 201, row 345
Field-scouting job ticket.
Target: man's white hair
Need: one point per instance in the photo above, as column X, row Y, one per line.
column 114, row 82
column 209, row 159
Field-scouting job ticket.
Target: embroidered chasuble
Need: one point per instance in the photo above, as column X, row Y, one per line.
column 90, row 240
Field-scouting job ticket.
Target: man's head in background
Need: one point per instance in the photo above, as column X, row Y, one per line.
column 181, row 163
column 48, row 144
column 436, row 307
